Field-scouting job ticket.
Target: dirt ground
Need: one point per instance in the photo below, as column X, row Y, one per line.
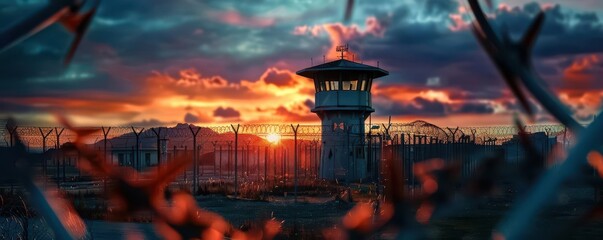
column 311, row 215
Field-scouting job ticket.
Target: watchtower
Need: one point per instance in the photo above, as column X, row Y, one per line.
column 343, row 103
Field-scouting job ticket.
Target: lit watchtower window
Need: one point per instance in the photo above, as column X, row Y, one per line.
column 349, row 85
column 353, row 81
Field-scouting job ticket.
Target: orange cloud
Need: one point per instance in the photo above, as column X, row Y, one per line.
column 295, row 116
column 278, row 77
column 192, row 84
column 404, row 93
column 580, row 87
column 184, row 95
column 580, row 70
column 225, row 100
column 340, row 34
column 504, row 7
column 226, row 112
column 458, row 23
column 279, row 82
column 198, row 117
column 305, row 29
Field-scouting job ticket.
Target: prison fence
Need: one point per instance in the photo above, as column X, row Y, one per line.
column 280, row 153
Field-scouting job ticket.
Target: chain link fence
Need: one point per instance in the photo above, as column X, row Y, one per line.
column 268, row 150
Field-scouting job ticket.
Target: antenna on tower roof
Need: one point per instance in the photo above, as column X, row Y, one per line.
column 342, row 49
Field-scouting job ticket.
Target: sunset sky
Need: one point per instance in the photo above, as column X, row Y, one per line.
column 158, row 62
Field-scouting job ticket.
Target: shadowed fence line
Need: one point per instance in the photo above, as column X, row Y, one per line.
column 268, row 152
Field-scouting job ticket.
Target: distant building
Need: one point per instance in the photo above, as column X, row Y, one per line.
column 541, row 142
column 343, row 103
column 123, row 152
column 175, row 143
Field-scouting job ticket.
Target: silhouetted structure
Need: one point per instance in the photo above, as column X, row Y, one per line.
column 541, row 143
column 343, row 103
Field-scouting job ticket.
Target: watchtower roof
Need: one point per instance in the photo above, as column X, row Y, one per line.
column 342, row 65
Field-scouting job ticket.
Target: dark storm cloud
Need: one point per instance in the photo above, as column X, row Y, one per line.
column 147, row 123
column 240, row 40
column 430, row 108
column 226, row 112
column 487, row 93
column 190, row 118
column 278, row 79
column 563, row 32
column 514, row 106
column 17, row 108
column 419, row 50
column 440, row 6
column 153, row 35
column 587, row 17
column 417, row 107
column 309, row 103
column 477, row 108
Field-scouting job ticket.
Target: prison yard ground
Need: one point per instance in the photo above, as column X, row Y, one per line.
column 310, row 216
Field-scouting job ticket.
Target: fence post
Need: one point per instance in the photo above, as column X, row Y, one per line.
column 274, row 166
column 547, row 150
column 403, row 161
column 454, row 147
column 158, row 135
column 369, row 154
column 412, row 155
column 314, row 152
column 295, row 128
column 306, row 160
column 11, row 133
column 105, row 134
column 236, row 132
column 346, row 155
column 195, row 159
column 246, row 160
column 317, row 158
column 214, row 156
column 378, row 164
column 137, row 134
column 200, row 163
column 257, row 165
column 266, row 153
column 284, row 167
column 57, row 145
column 220, row 162
column 44, row 136
column 474, row 162
column 229, row 159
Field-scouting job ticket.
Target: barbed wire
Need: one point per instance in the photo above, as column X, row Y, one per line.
column 180, row 135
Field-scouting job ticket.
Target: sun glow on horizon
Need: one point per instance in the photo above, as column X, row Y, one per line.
column 273, row 138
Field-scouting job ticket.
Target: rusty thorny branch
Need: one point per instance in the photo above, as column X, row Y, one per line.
column 69, row 13
column 131, row 193
column 513, row 60
column 58, row 213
